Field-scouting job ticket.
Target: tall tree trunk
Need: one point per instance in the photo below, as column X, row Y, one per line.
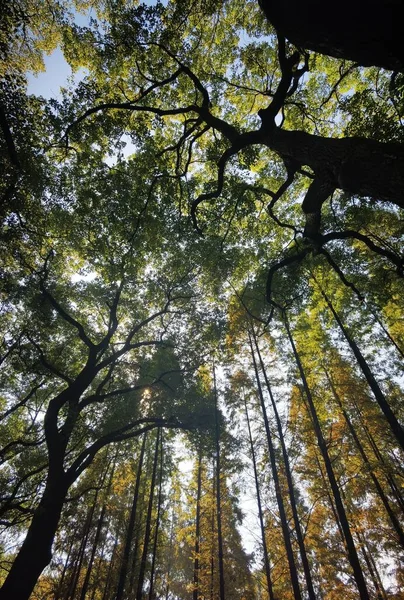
column 110, row 572
column 382, row 495
column 212, row 532
column 289, row 479
column 278, row 491
column 59, row 591
column 260, row 514
column 157, row 526
column 82, row 550
column 86, row 581
column 195, row 592
column 35, row 553
column 374, row 566
column 142, row 571
column 388, row 334
column 100, row 524
column 350, row 545
column 129, row 533
column 138, row 529
column 377, row 392
column 218, row 493
column 379, row 591
column 169, row 563
column 390, row 480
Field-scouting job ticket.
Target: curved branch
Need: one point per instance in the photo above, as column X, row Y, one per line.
column 243, row 140
column 341, row 274
column 350, row 233
column 285, row 262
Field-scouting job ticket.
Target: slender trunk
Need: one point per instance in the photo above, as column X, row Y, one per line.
column 390, row 480
column 129, row 533
column 350, row 546
column 331, row 501
column 138, row 530
column 278, row 491
column 195, row 592
column 111, row 565
column 65, row 566
column 388, row 334
column 212, row 531
column 35, row 553
column 132, row 572
column 289, row 479
column 218, row 494
column 169, row 563
column 100, row 523
column 156, row 530
column 80, row 557
column 369, row 565
column 374, row 386
column 260, row 514
column 382, row 495
column 375, row 569
column 142, row 570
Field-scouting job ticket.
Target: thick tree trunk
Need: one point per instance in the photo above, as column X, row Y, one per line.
column 218, row 494
column 369, row 34
column 142, row 571
column 36, row 551
column 278, row 491
column 131, row 525
column 289, row 479
column 350, row 545
column 355, row 165
column 260, row 513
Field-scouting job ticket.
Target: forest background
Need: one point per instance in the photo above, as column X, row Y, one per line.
column 202, row 250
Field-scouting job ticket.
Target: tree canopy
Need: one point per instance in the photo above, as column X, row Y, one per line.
column 202, row 259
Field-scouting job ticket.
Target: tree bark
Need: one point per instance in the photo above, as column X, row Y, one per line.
column 394, row 521
column 374, row 386
column 218, row 494
column 35, row 553
column 157, row 526
column 142, row 571
column 350, row 545
column 260, row 513
column 278, row 491
column 129, row 533
column 289, row 479
column 195, row 592
column 367, row 34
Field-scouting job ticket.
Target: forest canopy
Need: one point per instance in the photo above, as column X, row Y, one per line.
column 202, row 328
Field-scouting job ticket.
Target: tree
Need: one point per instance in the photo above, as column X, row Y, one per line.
column 368, row 37
column 203, row 180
